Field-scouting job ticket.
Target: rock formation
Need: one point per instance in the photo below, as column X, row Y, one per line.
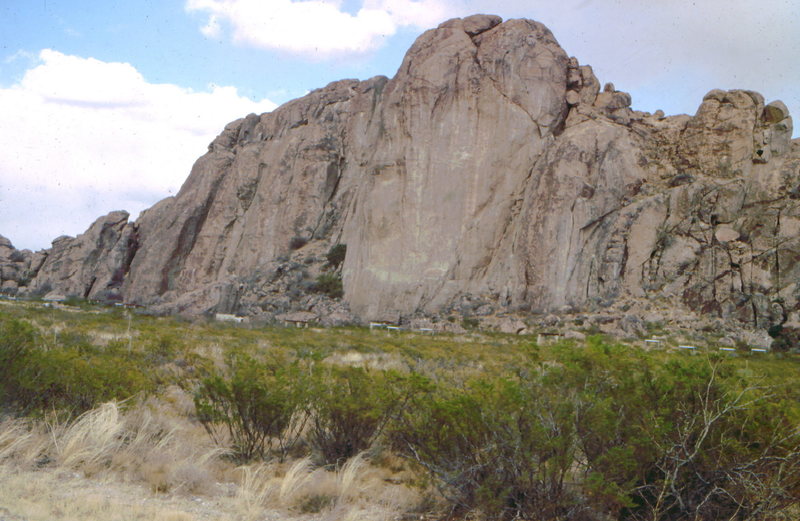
column 92, row 265
column 490, row 175
column 14, row 266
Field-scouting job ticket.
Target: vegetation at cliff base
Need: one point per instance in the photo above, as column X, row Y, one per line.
column 479, row 426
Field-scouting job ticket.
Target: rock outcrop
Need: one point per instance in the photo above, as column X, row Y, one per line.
column 14, row 267
column 490, row 175
column 92, row 265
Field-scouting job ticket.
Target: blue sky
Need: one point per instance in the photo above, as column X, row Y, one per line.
column 106, row 103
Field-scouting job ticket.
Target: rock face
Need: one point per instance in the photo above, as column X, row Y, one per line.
column 439, row 193
column 14, row 267
column 490, row 174
column 92, row 265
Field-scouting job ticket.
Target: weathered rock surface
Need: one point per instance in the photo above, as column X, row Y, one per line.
column 92, row 265
column 490, row 176
column 14, row 267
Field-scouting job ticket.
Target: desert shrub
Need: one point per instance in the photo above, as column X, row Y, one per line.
column 707, row 453
column 262, row 406
column 470, row 323
column 161, row 348
column 17, row 340
column 336, row 255
column 602, row 432
column 351, row 407
column 71, row 378
column 70, row 381
column 785, row 339
column 330, row 284
column 503, row 446
column 678, row 440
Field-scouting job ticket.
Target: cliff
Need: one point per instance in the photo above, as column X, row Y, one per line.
column 490, row 176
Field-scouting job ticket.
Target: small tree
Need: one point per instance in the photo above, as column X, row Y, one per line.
column 329, row 284
column 336, row 255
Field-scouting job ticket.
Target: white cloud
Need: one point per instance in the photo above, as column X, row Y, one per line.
column 212, row 29
column 19, row 55
column 82, row 137
column 316, row 28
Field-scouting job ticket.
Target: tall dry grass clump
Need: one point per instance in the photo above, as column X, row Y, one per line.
column 167, row 451
column 90, row 440
column 147, row 442
column 295, row 481
column 22, row 441
column 348, row 485
column 256, row 489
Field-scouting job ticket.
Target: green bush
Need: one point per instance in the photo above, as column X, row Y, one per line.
column 351, row 407
column 502, row 446
column 330, row 284
column 336, row 255
column 785, row 339
column 65, row 379
column 262, row 406
column 71, row 378
column 603, row 432
column 17, row 341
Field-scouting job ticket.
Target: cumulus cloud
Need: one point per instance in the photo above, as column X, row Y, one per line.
column 316, row 28
column 82, row 137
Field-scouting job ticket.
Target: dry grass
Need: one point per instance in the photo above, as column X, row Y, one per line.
column 348, row 478
column 355, row 491
column 294, row 481
column 22, row 442
column 149, row 461
column 53, row 496
column 90, row 440
column 254, row 492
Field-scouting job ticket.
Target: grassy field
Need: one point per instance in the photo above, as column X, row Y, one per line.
column 110, row 414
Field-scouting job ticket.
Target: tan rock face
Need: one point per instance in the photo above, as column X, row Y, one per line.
column 92, row 265
column 431, row 214
column 490, row 174
column 14, row 267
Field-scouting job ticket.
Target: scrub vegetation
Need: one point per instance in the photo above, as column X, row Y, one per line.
column 348, row 423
